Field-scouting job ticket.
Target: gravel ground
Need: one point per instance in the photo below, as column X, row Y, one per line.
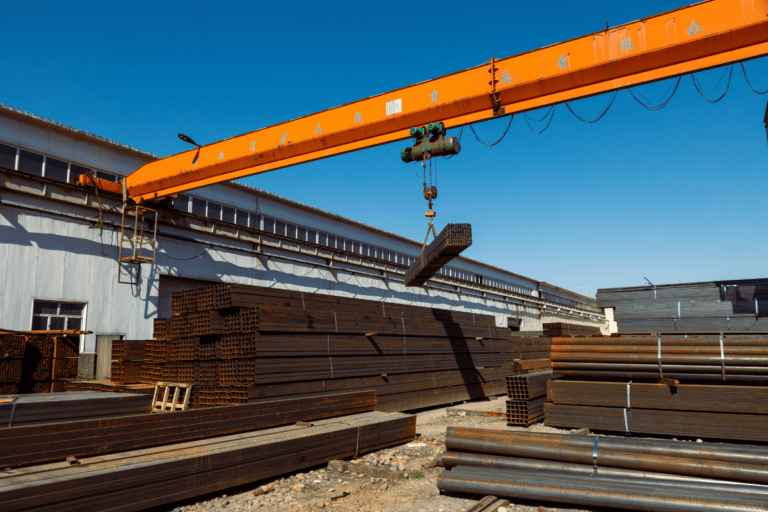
column 410, row 488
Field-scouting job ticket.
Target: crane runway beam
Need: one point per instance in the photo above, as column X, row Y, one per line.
column 701, row 36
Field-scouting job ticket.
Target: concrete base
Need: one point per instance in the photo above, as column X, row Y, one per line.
column 86, row 362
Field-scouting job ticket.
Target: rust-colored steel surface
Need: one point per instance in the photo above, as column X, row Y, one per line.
column 700, row 36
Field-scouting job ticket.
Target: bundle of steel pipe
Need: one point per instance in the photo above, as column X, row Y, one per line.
column 451, row 242
column 632, row 474
column 704, row 460
column 612, row 492
column 742, row 359
column 36, row 363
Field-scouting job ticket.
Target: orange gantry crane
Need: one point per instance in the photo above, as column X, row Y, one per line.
column 701, row 36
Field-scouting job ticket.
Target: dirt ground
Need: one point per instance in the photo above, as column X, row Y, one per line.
column 410, row 486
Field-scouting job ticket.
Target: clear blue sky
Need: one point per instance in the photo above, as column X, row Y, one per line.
column 676, row 195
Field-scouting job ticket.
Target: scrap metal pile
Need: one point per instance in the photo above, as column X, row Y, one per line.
column 619, row 473
column 712, row 387
column 36, row 363
column 243, row 344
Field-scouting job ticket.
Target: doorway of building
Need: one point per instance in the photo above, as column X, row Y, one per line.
column 104, row 355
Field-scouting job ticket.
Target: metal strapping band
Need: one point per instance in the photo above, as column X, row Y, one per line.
column 403, row 320
column 661, row 373
column 626, row 425
column 323, row 386
column 357, row 446
column 336, row 323
column 629, row 404
column 383, row 309
column 594, row 456
column 13, row 408
column 329, row 344
column 473, row 318
column 756, row 312
column 331, row 360
column 722, row 357
column 303, row 307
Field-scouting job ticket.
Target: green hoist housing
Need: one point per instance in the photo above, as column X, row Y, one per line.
column 430, row 141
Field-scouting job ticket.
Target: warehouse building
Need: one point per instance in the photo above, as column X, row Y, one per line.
column 61, row 269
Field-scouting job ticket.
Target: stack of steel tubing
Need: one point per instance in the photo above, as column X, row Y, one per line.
column 560, row 329
column 526, row 395
column 36, row 363
column 160, row 328
column 717, row 385
column 39, row 409
column 723, row 358
column 155, row 357
column 237, row 343
column 128, row 357
column 599, row 471
column 523, row 367
column 27, row 445
column 145, row 478
column 689, row 307
column 451, row 242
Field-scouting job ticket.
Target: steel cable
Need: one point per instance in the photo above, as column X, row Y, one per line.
column 660, row 105
column 704, row 95
column 500, row 138
column 598, row 117
column 551, row 111
column 743, row 70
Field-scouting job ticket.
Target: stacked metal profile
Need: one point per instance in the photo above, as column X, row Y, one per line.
column 616, row 473
column 560, row 329
column 713, row 387
column 451, row 242
column 526, row 395
column 241, row 344
column 46, row 408
column 690, row 307
column 155, row 357
column 36, row 363
column 128, row 358
column 143, row 461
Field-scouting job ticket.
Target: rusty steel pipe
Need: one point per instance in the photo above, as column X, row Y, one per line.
column 452, row 459
column 679, row 368
column 633, row 374
column 594, row 492
column 666, row 358
column 735, row 453
column 713, row 350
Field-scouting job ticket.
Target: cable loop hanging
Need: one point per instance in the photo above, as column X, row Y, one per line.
column 551, row 111
column 743, row 70
column 598, row 117
column 500, row 138
column 658, row 106
column 704, row 95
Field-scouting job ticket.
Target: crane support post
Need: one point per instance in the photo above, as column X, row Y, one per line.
column 701, row 36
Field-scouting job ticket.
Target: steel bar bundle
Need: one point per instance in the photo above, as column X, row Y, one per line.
column 146, row 478
column 451, row 242
column 48, row 408
column 35, row 445
column 525, row 366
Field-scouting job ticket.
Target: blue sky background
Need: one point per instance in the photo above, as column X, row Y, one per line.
column 676, row 195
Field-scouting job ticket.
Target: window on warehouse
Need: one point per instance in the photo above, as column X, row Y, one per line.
column 57, row 316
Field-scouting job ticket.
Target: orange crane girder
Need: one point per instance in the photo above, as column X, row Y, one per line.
column 701, row 36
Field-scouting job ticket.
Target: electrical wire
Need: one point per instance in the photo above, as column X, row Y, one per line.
column 188, row 259
column 704, row 95
column 551, row 111
column 658, row 106
column 743, row 70
column 500, row 138
column 598, row 117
